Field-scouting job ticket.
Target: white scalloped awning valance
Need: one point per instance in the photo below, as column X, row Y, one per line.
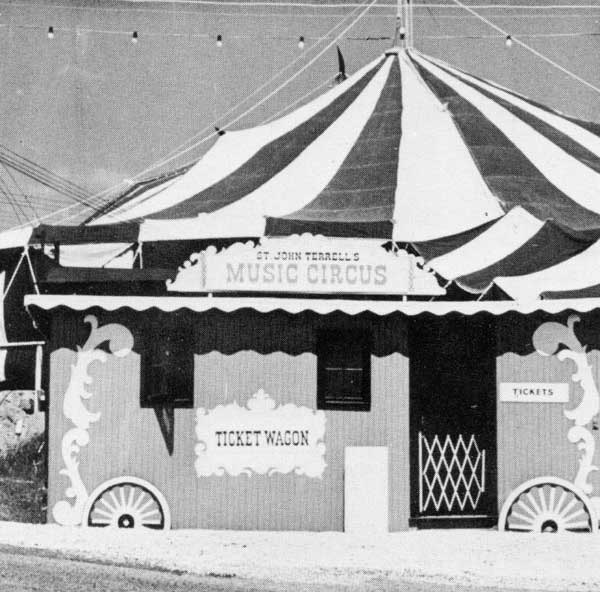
column 298, row 305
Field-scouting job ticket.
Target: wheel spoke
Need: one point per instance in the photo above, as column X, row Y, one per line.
column 542, row 496
column 552, row 498
column 572, row 515
column 146, row 505
column 113, row 497
column 561, row 501
column 140, row 499
column 104, row 501
column 104, row 512
column 569, row 507
column 151, row 513
column 130, row 498
column 532, row 501
column 522, row 517
column 523, row 506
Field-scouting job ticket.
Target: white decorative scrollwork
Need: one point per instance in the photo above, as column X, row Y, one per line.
column 587, row 446
column 547, row 340
column 120, row 343
column 260, row 438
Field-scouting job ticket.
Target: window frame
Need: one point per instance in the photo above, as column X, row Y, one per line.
column 364, row 338
column 153, row 358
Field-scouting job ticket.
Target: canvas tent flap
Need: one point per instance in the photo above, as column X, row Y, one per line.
column 98, row 255
column 435, row 165
column 18, row 237
column 494, row 244
column 241, row 161
column 290, row 188
column 105, row 233
column 577, row 273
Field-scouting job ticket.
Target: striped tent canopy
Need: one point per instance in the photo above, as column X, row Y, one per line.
column 488, row 186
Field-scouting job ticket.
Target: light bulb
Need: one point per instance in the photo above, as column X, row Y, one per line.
column 219, row 41
column 134, row 37
column 50, row 32
column 301, row 43
column 509, row 41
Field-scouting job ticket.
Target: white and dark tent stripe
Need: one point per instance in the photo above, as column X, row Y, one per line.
column 487, row 185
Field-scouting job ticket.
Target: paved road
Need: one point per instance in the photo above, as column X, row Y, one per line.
column 20, row 571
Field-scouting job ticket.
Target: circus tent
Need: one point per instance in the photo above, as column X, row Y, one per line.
column 488, row 186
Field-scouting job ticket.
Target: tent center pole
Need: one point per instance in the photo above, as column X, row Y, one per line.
column 400, row 30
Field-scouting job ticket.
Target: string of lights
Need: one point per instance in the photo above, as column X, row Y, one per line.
column 511, row 39
column 300, row 40
column 71, row 211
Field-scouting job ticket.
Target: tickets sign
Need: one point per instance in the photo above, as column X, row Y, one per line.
column 306, row 264
column 534, row 392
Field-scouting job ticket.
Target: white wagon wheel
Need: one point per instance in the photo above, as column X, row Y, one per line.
column 127, row 502
column 548, row 504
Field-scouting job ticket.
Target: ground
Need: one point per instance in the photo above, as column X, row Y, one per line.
column 336, row 561
column 23, row 571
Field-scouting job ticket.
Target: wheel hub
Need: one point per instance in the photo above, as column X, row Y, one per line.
column 126, row 521
column 550, row 526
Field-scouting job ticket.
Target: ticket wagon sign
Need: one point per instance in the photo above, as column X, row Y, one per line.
column 260, row 438
column 306, row 264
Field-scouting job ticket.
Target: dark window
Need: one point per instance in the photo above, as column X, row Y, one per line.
column 344, row 370
column 168, row 366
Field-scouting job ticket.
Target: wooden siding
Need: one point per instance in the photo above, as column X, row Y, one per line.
column 532, row 437
column 235, row 356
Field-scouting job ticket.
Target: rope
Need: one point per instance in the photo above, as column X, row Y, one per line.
column 528, row 35
column 22, row 193
column 302, row 98
column 528, row 47
column 110, row 190
column 16, row 207
column 180, row 150
column 312, row 5
column 319, row 5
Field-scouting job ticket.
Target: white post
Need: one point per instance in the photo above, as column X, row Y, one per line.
column 38, row 377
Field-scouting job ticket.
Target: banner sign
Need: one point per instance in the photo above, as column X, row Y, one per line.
column 260, row 438
column 306, row 264
column 534, row 392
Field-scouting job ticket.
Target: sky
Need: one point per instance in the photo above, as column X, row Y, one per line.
column 97, row 109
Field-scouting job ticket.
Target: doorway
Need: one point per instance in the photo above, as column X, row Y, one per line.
column 453, row 421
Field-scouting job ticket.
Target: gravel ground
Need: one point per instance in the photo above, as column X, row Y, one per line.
column 461, row 557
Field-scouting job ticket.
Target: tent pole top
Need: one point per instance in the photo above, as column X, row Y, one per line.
column 400, row 30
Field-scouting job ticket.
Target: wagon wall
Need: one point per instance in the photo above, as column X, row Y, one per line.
column 235, row 356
